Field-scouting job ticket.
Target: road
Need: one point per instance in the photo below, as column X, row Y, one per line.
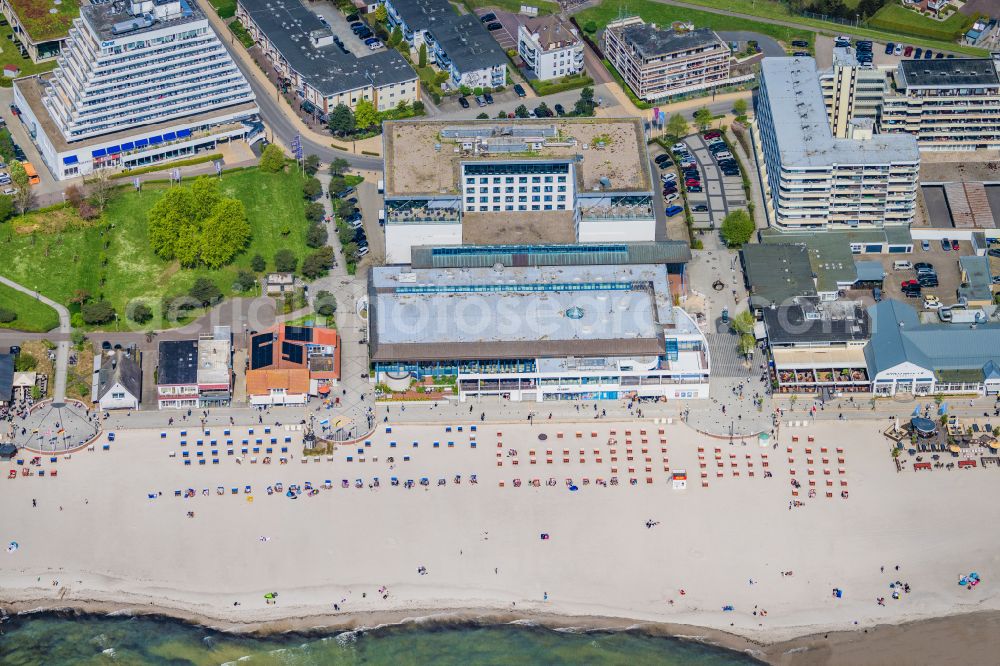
column 62, row 347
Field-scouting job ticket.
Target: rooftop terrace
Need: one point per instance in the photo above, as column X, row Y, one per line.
column 420, row 161
column 40, row 23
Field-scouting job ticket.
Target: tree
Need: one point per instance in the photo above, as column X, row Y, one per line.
column 315, row 211
column 6, row 145
column 141, row 313
column 6, row 207
column 103, row 189
column 173, row 211
column 543, row 111
column 418, row 108
column 99, row 312
column 381, row 14
column 285, row 261
column 311, row 164
column 312, row 188
column 703, row 118
column 316, row 236
column 742, row 325
column 338, row 166
column 19, row 177
column 341, row 122
column 365, row 114
column 351, row 251
column 521, row 111
column 258, row 264
column 187, row 249
column 205, row 291
column 344, row 208
column 7, row 316
column 74, row 195
column 80, row 296
column 737, row 228
column 395, row 37
column 317, row 263
column 204, row 196
column 740, row 107
column 483, row 116
column 422, row 56
column 677, row 127
column 272, row 160
column 224, row 233
column 245, row 280
column 325, row 303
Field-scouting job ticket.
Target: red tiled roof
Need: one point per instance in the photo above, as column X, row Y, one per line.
column 260, row 382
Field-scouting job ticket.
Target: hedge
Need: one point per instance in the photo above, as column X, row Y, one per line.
column 543, row 88
column 201, row 159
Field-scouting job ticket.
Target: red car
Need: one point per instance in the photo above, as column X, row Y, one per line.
column 912, row 284
column 712, row 135
column 692, row 181
column 954, row 245
column 908, row 51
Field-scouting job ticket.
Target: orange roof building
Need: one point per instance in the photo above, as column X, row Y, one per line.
column 279, row 386
column 310, row 348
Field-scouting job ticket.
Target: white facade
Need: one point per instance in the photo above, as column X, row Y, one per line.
column 177, row 396
column 511, row 186
column 278, row 396
column 550, row 48
column 134, row 87
column 118, row 397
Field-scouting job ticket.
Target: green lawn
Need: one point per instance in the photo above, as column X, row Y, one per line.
column 224, row 8
column 9, row 55
column 896, row 18
column 595, row 18
column 44, row 20
column 608, row 10
column 514, row 6
column 57, row 253
column 32, row 314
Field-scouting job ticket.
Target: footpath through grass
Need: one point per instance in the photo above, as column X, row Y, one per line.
column 32, row 314
column 56, row 252
column 653, row 12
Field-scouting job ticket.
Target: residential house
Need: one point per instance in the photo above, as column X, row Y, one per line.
column 314, row 350
column 117, row 380
column 551, row 47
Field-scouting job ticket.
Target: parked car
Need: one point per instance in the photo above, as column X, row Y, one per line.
column 898, row 50
column 928, row 54
column 923, row 266
column 494, row 26
column 560, row 110
column 519, row 90
column 917, row 53
column 673, row 210
column 676, row 147
column 463, row 101
column 357, row 25
column 663, row 165
column 925, row 245
column 700, row 208
column 488, row 97
column 351, row 18
column 908, row 51
column 877, row 294
column 480, row 100
column 945, row 244
column 362, row 251
column 714, row 134
column 669, row 190
column 800, row 43
column 487, row 18
column 889, row 48
column 954, row 245
column 660, row 159
column 670, row 198
column 694, row 188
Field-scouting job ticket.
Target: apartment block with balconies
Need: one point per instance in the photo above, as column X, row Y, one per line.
column 135, row 84
column 657, row 64
column 550, row 47
column 817, row 181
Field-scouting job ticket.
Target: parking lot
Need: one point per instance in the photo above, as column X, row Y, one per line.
column 342, row 29
column 945, row 265
column 721, row 193
column 506, row 36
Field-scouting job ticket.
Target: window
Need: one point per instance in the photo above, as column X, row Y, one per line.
column 118, row 395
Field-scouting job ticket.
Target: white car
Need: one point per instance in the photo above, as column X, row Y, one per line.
column 362, row 251
column 931, row 302
column 375, row 45
column 680, row 146
column 9, row 191
column 670, row 198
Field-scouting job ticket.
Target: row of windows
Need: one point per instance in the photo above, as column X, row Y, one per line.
column 510, row 179
column 511, row 207
column 535, row 197
column 521, row 190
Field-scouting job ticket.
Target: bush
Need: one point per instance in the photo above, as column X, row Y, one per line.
column 25, row 362
column 315, row 211
column 141, row 313
column 258, row 264
column 316, row 236
column 285, row 261
column 7, row 316
column 312, row 188
column 737, row 228
column 100, row 312
column 326, row 303
column 245, row 280
column 272, row 160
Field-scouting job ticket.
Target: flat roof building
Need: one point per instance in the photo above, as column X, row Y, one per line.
column 39, row 28
column 458, row 44
column 817, row 181
column 138, row 83
column 538, row 333
column 551, row 181
column 303, row 50
column 659, row 63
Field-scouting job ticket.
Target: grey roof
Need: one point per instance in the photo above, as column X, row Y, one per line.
column 104, row 18
column 899, row 337
column 468, row 44
column 518, row 313
column 468, row 256
column 120, row 368
column 177, row 363
column 949, row 73
column 423, row 14
column 802, row 126
column 289, row 26
column 835, row 322
column 6, row 377
column 651, row 42
column 869, row 271
column 979, row 286
column 777, row 273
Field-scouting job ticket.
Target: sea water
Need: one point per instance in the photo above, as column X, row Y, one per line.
column 53, row 639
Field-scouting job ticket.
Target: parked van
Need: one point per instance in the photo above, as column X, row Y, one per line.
column 901, row 265
column 33, row 178
column 673, row 210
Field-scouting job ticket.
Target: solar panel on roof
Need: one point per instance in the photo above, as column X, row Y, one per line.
column 298, row 333
column 291, row 352
column 261, row 351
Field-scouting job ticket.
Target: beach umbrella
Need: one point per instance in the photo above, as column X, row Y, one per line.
column 12, row 547
column 954, row 448
column 943, row 408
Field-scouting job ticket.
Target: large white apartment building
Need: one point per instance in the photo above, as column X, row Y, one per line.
column 851, row 91
column 947, row 104
column 137, row 83
column 815, row 180
column 657, row 63
column 556, row 180
column 302, row 50
column 551, row 47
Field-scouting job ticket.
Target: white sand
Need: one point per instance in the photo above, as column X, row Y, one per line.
column 110, row 543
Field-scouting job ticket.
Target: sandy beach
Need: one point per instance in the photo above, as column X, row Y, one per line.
column 97, row 541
